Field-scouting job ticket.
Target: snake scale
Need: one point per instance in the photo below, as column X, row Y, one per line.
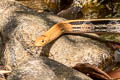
column 79, row 26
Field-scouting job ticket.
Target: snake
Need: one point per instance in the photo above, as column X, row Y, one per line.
column 80, row 26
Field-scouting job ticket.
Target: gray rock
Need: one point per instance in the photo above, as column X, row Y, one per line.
column 78, row 49
column 9, row 10
column 45, row 69
column 20, row 26
column 19, row 49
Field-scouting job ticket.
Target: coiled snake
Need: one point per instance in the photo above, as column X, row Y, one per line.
column 79, row 26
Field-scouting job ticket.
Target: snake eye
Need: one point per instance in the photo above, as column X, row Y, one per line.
column 42, row 41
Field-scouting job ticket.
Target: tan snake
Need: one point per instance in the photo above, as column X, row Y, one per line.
column 79, row 26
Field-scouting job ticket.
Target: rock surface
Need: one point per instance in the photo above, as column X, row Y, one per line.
column 20, row 27
column 37, row 5
column 23, row 26
column 45, row 69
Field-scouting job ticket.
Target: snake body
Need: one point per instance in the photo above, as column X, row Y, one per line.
column 79, row 26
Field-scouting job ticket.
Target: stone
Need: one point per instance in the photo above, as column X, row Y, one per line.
column 45, row 69
column 37, row 5
column 20, row 26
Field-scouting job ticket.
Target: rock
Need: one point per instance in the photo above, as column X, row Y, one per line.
column 37, row 5
column 78, row 49
column 21, row 43
column 1, row 43
column 2, row 48
column 45, row 69
column 9, row 10
column 22, row 26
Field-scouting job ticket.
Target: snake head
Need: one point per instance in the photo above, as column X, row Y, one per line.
column 41, row 41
